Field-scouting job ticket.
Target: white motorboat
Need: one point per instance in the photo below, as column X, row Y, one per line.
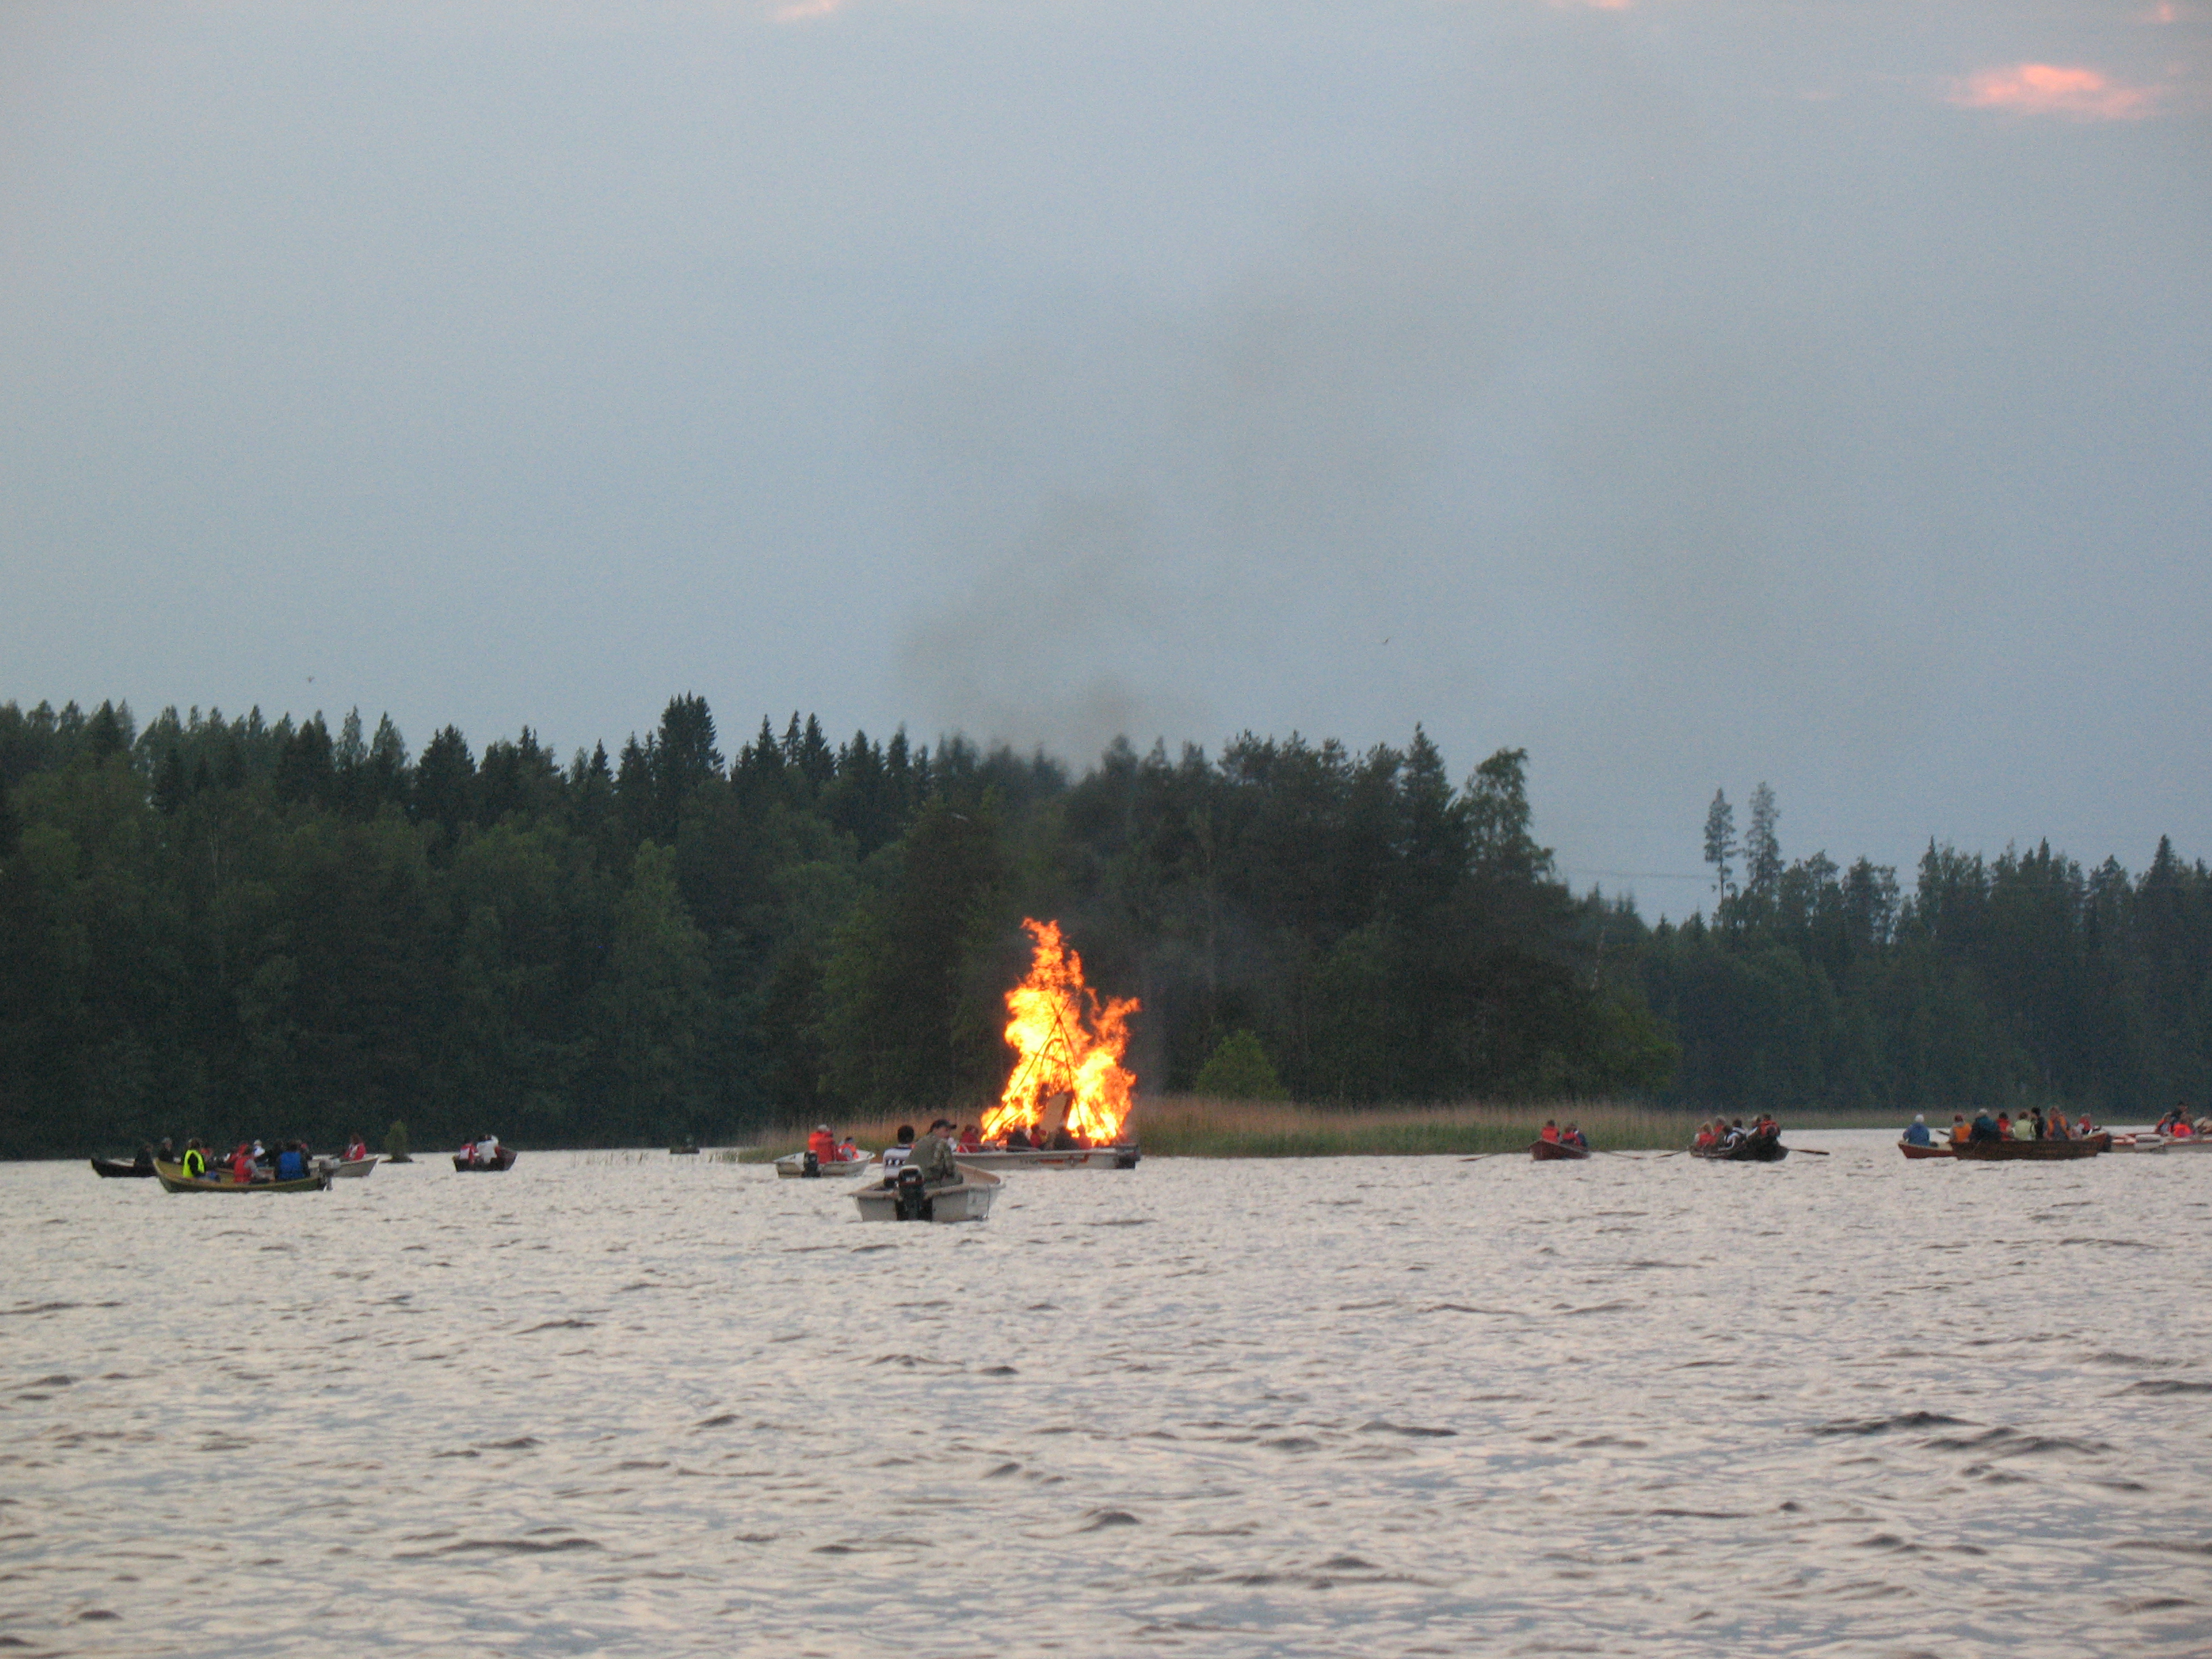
column 1122, row 1156
column 345, row 1169
column 2143, row 1141
column 794, row 1167
column 903, row 1196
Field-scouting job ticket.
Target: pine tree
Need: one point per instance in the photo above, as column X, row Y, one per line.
column 1720, row 843
column 1762, row 846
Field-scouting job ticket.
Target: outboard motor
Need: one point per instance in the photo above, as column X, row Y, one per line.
column 812, row 1168
column 909, row 1202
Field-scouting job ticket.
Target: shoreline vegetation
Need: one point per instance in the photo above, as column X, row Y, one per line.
column 1194, row 1126
column 224, row 927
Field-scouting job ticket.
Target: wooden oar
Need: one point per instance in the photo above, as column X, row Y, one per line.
column 1811, row 1151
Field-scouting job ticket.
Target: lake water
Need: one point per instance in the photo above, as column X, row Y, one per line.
column 628, row 1404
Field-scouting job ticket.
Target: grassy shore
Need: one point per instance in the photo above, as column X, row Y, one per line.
column 1191, row 1125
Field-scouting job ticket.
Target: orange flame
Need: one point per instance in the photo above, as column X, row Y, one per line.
column 1065, row 1042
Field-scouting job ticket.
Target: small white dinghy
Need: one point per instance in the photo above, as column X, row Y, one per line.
column 346, row 1168
column 902, row 1196
column 796, row 1167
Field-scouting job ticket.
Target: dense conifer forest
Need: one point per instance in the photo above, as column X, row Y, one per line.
column 222, row 926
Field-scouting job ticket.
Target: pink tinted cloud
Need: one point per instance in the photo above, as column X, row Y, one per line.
column 2067, row 90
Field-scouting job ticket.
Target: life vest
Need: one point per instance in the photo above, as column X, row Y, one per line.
column 1548, row 1133
column 195, row 1165
column 824, row 1147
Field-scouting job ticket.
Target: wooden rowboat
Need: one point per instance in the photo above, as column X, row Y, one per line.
column 2034, row 1150
column 1551, row 1152
column 1751, row 1150
column 173, row 1178
column 1934, row 1149
column 465, row 1165
column 116, row 1169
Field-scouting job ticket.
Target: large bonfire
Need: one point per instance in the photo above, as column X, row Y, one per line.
column 1065, row 1042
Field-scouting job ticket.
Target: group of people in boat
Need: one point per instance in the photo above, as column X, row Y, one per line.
column 1724, row 1134
column 2031, row 1125
column 828, row 1149
column 252, row 1161
column 1569, row 1136
column 483, row 1152
column 2177, row 1125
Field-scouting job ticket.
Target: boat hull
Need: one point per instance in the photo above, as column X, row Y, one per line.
column 968, row 1199
column 173, row 1178
column 1938, row 1149
column 2036, row 1152
column 505, row 1161
column 1123, row 1157
column 114, row 1169
column 1550, row 1151
column 1750, row 1152
column 347, row 1169
column 793, row 1167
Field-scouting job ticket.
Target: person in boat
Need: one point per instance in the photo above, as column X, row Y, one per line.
column 1704, row 1138
column 195, row 1160
column 849, row 1150
column 1985, row 1126
column 2082, row 1131
column 356, row 1150
column 2056, row 1129
column 1550, row 1132
column 1570, row 1136
column 896, row 1156
column 1733, row 1136
column 1916, row 1132
column 2023, row 1128
column 971, row 1138
column 823, row 1144
column 1017, row 1139
column 485, row 1153
column 933, row 1156
column 1960, row 1132
column 241, row 1165
column 292, row 1163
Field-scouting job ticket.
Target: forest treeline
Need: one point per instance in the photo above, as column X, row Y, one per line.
column 223, row 926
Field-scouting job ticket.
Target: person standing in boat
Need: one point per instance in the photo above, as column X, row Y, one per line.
column 823, row 1144
column 1916, row 1134
column 933, row 1157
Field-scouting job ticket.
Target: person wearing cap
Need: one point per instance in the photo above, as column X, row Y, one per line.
column 1917, row 1135
column 933, row 1156
column 823, row 1143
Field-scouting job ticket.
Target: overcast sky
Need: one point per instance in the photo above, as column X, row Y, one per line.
column 1694, row 393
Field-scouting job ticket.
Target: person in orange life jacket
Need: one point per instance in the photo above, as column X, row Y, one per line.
column 1570, row 1136
column 823, row 1143
column 1550, row 1131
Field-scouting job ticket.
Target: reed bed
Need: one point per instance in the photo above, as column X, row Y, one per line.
column 1190, row 1126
